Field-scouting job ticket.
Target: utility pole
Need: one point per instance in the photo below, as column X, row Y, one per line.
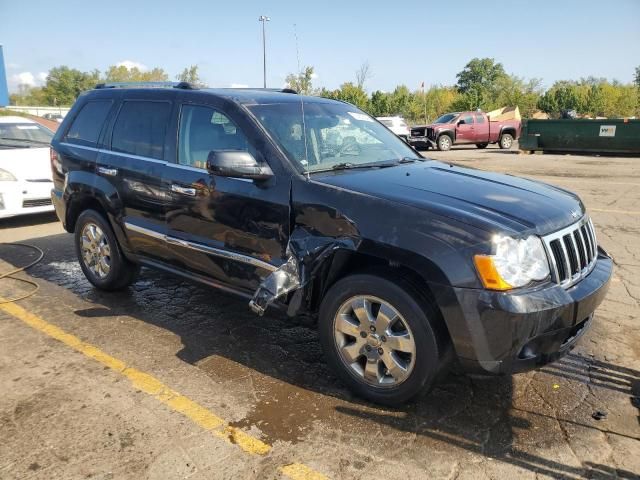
column 264, row 19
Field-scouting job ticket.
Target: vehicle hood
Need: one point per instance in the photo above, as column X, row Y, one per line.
column 27, row 163
column 491, row 201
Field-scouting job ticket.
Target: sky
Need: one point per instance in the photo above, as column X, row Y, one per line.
column 403, row 42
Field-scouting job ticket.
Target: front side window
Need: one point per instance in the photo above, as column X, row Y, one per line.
column 331, row 134
column 204, row 129
column 140, row 128
column 479, row 118
column 468, row 120
column 24, row 135
column 87, row 125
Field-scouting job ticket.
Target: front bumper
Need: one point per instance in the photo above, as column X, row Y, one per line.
column 421, row 142
column 509, row 332
column 22, row 198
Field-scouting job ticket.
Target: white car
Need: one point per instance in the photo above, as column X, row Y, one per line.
column 25, row 167
column 397, row 125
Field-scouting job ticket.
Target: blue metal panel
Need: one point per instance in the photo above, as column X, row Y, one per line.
column 4, row 91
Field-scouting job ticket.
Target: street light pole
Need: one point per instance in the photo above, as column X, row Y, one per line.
column 264, row 19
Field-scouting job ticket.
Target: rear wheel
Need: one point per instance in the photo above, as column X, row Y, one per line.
column 444, row 143
column 377, row 336
column 99, row 253
column 506, row 141
column 481, row 145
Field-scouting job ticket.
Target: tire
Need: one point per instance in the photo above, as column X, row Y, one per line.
column 444, row 143
column 101, row 242
column 364, row 343
column 481, row 145
column 506, row 141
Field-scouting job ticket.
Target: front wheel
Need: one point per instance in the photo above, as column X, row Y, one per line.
column 506, row 141
column 99, row 253
column 378, row 337
column 444, row 143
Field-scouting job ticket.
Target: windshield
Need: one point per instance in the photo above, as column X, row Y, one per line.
column 446, row 118
column 336, row 134
column 24, row 135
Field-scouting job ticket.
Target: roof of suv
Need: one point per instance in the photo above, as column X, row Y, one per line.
column 245, row 96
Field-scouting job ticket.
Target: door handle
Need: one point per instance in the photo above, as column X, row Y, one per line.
column 183, row 190
column 112, row 172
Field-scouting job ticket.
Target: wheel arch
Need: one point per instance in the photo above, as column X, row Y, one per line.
column 508, row 129
column 450, row 133
column 85, row 191
column 346, row 262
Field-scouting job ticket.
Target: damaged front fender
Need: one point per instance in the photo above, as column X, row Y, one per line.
column 306, row 252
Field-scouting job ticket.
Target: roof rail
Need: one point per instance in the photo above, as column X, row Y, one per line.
column 275, row 90
column 181, row 85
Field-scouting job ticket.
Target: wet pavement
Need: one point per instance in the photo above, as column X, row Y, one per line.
column 63, row 415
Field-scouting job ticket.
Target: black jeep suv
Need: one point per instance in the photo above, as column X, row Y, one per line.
column 312, row 206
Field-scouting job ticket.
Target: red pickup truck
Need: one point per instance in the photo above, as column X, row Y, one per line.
column 464, row 127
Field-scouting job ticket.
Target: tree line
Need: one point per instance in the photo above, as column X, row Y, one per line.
column 482, row 84
column 63, row 84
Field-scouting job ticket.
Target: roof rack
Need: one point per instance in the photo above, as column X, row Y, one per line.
column 181, row 85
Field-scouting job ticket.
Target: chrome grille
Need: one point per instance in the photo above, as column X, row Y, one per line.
column 572, row 251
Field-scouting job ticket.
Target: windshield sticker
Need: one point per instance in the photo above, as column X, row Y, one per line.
column 27, row 127
column 361, row 116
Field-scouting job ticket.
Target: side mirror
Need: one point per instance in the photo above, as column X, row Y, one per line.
column 461, row 122
column 237, row 164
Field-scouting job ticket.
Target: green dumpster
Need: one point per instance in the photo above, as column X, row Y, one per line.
column 581, row 135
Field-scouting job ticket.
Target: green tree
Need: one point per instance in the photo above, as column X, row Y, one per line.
column 302, row 82
column 123, row 74
column 191, row 75
column 514, row 91
column 380, row 104
column 64, row 84
column 478, row 82
column 348, row 92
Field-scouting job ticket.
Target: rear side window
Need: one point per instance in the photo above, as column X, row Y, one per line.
column 87, row 125
column 140, row 128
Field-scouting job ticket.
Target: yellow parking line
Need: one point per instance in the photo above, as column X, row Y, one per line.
column 177, row 402
column 297, row 471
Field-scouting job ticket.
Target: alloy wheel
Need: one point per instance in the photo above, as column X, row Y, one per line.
column 96, row 251
column 374, row 341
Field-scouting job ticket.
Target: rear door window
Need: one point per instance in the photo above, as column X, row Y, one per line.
column 140, row 128
column 87, row 125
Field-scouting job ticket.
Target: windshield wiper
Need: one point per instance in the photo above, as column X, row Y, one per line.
column 350, row 165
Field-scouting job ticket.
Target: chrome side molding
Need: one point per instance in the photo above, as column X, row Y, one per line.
column 226, row 254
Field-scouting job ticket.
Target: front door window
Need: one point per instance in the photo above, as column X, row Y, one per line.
column 203, row 129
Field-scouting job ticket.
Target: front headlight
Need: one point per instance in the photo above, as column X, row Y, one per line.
column 516, row 263
column 6, row 176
